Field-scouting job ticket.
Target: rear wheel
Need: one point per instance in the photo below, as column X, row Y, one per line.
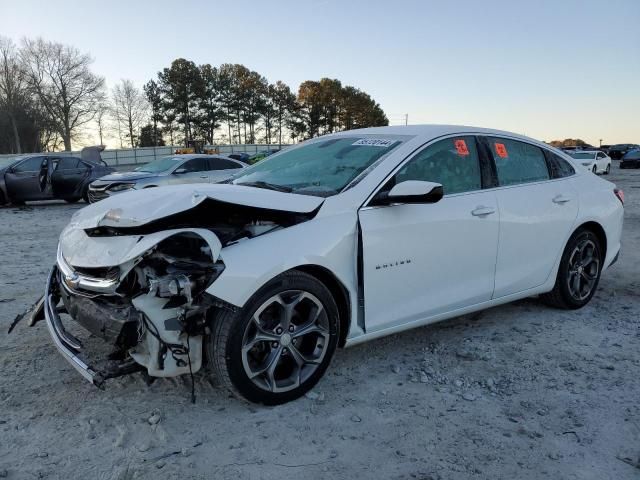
column 606, row 172
column 278, row 346
column 578, row 273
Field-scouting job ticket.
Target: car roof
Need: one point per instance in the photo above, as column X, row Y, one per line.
column 432, row 131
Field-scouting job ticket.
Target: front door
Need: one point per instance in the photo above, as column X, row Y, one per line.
column 28, row 179
column 421, row 260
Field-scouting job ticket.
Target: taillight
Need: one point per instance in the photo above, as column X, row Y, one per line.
column 620, row 194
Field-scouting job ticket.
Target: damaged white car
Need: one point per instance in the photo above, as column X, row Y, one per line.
column 341, row 239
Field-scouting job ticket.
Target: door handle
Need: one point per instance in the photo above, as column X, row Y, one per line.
column 482, row 211
column 560, row 199
column 204, row 176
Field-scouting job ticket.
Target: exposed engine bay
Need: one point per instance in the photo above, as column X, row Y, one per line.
column 142, row 288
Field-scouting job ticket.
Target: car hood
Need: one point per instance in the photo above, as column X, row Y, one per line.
column 126, row 176
column 138, row 207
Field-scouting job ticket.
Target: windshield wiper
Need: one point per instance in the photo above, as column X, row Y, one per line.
column 268, row 186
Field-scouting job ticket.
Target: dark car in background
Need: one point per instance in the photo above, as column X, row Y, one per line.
column 243, row 157
column 620, row 150
column 171, row 170
column 48, row 176
column 631, row 159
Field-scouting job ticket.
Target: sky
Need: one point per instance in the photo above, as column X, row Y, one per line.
column 550, row 69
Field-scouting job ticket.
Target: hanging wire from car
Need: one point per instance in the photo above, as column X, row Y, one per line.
column 176, row 349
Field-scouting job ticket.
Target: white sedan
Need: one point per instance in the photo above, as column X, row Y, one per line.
column 336, row 241
column 593, row 160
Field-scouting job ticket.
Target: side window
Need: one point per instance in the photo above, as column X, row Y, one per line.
column 30, row 165
column 559, row 167
column 600, row 155
column 452, row 162
column 67, row 163
column 196, row 165
column 222, row 164
column 517, row 162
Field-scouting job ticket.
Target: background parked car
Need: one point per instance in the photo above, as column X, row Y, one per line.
column 594, row 160
column 620, row 150
column 261, row 154
column 48, row 177
column 176, row 169
column 631, row 159
column 243, row 157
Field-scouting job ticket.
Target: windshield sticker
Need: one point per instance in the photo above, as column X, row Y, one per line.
column 374, row 142
column 501, row 150
column 461, row 147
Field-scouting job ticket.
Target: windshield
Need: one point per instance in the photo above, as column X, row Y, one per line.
column 160, row 165
column 583, row 156
column 322, row 168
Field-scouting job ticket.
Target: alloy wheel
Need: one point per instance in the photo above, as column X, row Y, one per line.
column 285, row 341
column 584, row 266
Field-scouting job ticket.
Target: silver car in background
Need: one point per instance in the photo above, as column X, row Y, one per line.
column 171, row 170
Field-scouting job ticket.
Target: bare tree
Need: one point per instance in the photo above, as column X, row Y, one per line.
column 103, row 111
column 131, row 109
column 66, row 87
column 13, row 86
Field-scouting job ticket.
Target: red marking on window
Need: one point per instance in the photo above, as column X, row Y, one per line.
column 501, row 150
column 461, row 147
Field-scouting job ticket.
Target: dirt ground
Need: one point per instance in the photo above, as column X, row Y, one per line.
column 519, row 391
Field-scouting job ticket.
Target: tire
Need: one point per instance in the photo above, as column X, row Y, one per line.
column 234, row 350
column 2, row 199
column 564, row 292
column 595, row 169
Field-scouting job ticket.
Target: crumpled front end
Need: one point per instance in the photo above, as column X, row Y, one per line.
column 149, row 306
column 134, row 271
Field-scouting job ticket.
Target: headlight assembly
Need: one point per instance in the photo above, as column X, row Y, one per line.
column 121, row 187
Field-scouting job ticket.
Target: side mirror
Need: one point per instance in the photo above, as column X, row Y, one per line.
column 180, row 171
column 411, row 191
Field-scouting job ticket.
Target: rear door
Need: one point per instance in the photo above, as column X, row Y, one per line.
column 68, row 177
column 222, row 168
column 537, row 212
column 421, row 260
column 25, row 180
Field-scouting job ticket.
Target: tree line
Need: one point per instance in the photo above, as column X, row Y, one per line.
column 49, row 98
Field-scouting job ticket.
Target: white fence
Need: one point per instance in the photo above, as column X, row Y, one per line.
column 135, row 156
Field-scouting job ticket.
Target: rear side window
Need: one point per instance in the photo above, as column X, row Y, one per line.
column 67, row 163
column 517, row 162
column 222, row 164
column 452, row 162
column 559, row 167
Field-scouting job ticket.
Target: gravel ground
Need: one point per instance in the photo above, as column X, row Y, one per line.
column 519, row 391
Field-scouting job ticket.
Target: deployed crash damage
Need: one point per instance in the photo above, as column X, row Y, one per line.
column 137, row 275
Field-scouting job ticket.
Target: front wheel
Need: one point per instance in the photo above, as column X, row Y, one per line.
column 595, row 169
column 578, row 273
column 278, row 346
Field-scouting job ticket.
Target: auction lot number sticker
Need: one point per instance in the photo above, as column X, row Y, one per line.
column 374, row 142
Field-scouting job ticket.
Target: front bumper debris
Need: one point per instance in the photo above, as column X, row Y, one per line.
column 68, row 345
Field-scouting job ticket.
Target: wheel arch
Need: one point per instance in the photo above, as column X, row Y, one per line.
column 598, row 231
column 338, row 291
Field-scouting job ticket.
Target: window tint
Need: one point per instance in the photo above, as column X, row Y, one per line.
column 196, row 165
column 517, row 162
column 67, row 163
column 452, row 162
column 222, row 164
column 30, row 165
column 559, row 167
column 600, row 155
